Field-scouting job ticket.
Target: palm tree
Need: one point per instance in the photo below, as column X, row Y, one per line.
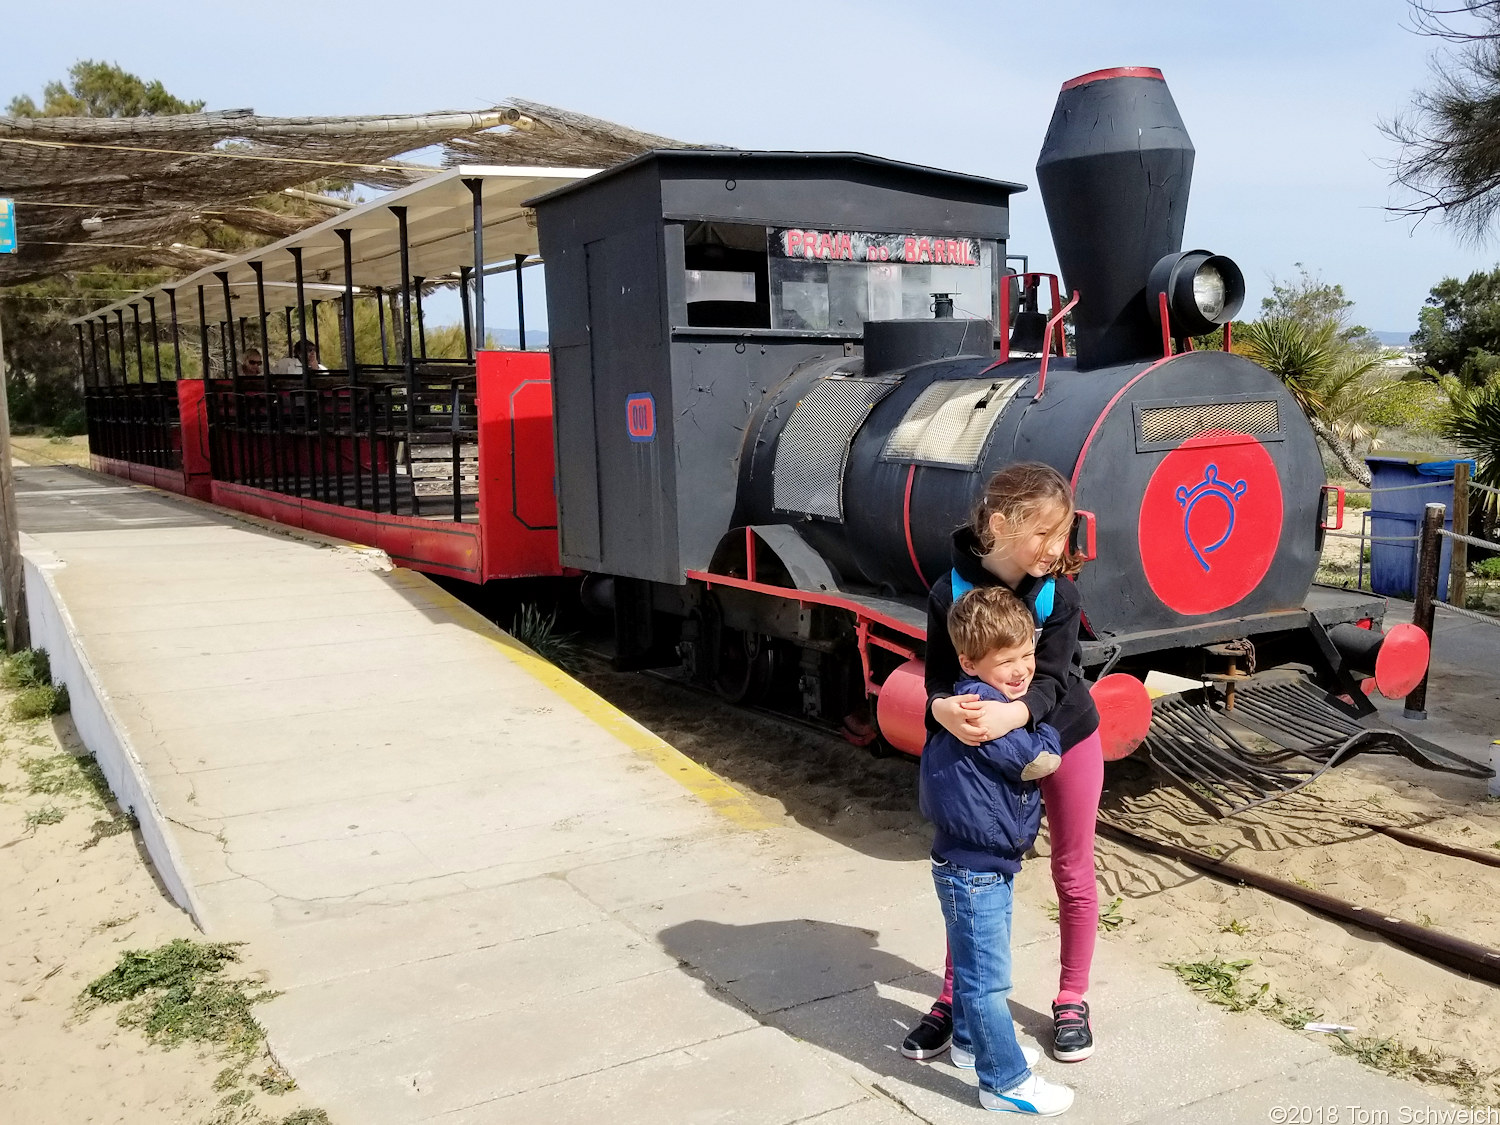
column 1473, row 422
column 1327, row 377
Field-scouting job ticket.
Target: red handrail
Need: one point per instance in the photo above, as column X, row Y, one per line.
column 1055, row 322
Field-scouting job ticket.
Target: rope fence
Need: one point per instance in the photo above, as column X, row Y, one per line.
column 1378, row 538
column 1454, row 483
column 1461, row 611
column 1405, row 487
column 1471, row 614
column 1487, row 544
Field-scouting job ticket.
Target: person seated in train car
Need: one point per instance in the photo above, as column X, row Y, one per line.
column 305, row 352
column 302, row 351
column 986, row 810
column 251, row 363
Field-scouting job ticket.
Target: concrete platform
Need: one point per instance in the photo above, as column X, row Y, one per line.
column 489, row 897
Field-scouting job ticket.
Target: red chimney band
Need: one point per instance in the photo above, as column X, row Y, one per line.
column 1116, row 72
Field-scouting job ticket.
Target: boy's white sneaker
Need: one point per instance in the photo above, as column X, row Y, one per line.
column 1036, row 1097
column 965, row 1059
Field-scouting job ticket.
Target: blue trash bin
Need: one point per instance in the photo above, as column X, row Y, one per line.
column 1393, row 565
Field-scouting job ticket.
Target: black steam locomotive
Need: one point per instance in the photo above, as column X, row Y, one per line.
column 779, row 386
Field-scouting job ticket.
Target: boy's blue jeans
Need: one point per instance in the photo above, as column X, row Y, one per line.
column 976, row 909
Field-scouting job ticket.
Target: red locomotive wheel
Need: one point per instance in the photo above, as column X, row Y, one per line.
column 1210, row 522
column 1124, row 714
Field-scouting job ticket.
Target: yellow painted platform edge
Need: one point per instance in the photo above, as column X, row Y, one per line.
column 703, row 783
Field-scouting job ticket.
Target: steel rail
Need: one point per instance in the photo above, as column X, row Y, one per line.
column 1427, row 843
column 1465, row 956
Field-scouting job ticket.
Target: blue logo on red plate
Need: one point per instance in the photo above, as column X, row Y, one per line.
column 1210, row 487
column 640, row 417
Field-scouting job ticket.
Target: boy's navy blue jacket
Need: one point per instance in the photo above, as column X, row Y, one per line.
column 986, row 816
column 1059, row 693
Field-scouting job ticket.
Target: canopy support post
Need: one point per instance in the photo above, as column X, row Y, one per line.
column 233, row 359
column 521, row 299
column 176, row 342
column 476, row 189
column 258, row 268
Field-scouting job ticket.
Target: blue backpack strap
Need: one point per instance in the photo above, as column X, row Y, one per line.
column 961, row 585
column 1043, row 601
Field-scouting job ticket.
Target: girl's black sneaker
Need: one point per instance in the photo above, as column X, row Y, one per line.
column 1072, row 1038
column 932, row 1035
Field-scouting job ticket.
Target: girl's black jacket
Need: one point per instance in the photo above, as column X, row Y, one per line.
column 1059, row 694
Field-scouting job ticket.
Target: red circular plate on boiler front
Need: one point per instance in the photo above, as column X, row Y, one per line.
column 1210, row 522
column 1402, row 661
column 1124, row 714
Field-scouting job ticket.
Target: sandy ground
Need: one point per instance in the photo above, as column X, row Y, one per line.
column 74, row 903
column 1340, row 973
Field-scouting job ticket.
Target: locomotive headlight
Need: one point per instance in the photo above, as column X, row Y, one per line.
column 1203, row 290
column 1209, row 292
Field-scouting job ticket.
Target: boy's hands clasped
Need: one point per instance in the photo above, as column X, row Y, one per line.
column 972, row 720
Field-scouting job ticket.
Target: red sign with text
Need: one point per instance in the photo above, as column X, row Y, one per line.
column 858, row 246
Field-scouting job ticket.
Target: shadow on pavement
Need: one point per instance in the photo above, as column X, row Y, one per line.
column 816, row 981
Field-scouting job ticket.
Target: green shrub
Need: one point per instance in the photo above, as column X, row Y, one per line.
column 49, row 814
column 29, row 673
column 1407, row 404
column 1473, row 422
column 538, row 631
column 1489, row 568
column 28, row 668
column 39, row 701
column 176, row 994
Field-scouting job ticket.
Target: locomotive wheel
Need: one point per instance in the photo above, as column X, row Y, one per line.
column 743, row 666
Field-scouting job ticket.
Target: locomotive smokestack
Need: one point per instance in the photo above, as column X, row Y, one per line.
column 1114, row 174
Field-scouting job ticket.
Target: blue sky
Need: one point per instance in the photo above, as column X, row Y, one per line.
column 1281, row 99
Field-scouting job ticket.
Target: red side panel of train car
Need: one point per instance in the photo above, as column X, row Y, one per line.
column 517, row 469
column 431, row 546
column 197, row 465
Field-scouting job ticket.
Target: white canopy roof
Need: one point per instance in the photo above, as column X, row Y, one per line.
column 440, row 231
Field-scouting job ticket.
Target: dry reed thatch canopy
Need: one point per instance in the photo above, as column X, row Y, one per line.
column 154, row 180
column 544, row 136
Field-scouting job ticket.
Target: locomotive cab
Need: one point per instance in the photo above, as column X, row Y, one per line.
column 684, row 285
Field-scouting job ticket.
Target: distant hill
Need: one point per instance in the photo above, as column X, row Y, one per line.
column 1389, row 339
column 536, row 338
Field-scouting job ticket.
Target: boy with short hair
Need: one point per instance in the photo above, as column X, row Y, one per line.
column 986, row 807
